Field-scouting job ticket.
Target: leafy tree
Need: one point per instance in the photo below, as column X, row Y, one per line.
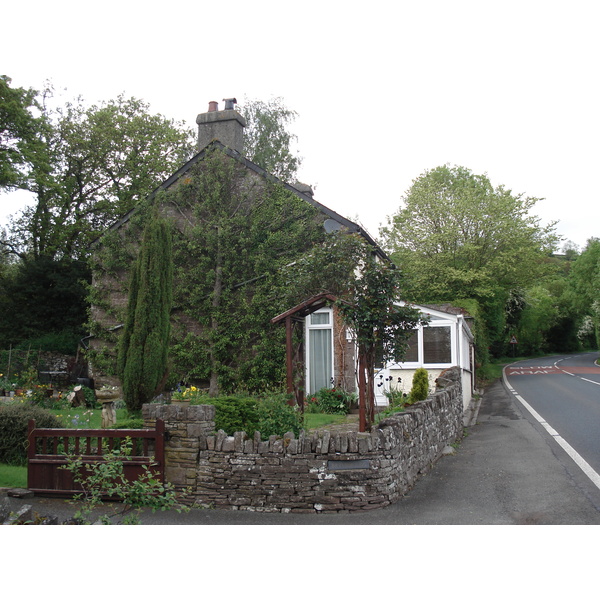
column 538, row 316
column 267, row 140
column 458, row 237
column 20, row 147
column 42, row 297
column 584, row 283
column 144, row 344
column 380, row 325
column 87, row 166
column 368, row 291
column 101, row 160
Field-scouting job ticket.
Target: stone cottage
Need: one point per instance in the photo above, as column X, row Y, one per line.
column 237, row 232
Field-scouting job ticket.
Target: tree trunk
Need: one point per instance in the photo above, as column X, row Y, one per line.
column 76, row 397
column 213, row 389
column 366, row 388
column 362, row 393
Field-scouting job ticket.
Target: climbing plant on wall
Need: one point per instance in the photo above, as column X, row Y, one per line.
column 245, row 249
column 235, row 242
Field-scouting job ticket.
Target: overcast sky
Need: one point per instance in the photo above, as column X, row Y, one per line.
column 384, row 90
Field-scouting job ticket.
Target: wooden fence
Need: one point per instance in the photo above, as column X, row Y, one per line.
column 48, row 449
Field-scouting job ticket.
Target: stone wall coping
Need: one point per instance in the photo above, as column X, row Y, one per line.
column 385, row 435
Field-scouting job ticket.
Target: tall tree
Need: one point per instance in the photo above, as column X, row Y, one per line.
column 20, row 146
column 143, row 346
column 540, row 313
column 381, row 326
column 368, row 292
column 584, row 282
column 43, row 297
column 267, row 139
column 102, row 160
column 458, row 237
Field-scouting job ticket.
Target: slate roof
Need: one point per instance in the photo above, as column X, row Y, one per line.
column 349, row 225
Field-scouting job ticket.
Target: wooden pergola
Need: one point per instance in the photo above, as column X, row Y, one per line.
column 295, row 359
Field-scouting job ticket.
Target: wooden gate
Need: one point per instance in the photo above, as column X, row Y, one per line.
column 48, row 449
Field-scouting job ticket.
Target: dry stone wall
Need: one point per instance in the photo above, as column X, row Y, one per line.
column 321, row 472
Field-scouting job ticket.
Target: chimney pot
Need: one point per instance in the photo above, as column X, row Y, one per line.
column 213, row 106
column 229, row 102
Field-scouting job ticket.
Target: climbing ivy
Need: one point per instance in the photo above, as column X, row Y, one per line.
column 246, row 249
column 235, row 238
column 235, row 244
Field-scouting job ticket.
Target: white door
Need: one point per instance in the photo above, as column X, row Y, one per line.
column 319, row 350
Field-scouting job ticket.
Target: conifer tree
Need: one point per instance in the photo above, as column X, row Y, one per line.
column 143, row 349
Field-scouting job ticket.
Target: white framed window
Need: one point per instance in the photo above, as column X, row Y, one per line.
column 431, row 346
column 319, row 350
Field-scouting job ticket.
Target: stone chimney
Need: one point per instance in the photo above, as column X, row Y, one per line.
column 304, row 188
column 226, row 125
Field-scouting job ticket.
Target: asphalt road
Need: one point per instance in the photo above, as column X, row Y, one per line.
column 507, row 471
column 563, row 394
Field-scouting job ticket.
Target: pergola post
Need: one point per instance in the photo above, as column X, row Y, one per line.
column 362, row 394
column 289, row 358
column 298, row 313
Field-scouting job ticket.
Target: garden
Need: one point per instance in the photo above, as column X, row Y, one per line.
column 24, row 397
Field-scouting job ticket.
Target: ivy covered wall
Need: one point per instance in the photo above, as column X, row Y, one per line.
column 236, row 235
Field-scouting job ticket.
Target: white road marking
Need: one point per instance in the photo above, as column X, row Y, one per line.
column 573, row 374
column 577, row 458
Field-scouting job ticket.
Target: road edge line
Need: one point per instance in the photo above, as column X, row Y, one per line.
column 575, row 456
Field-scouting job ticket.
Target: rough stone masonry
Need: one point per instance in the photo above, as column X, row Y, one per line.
column 314, row 473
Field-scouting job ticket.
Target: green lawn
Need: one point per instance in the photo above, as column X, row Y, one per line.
column 85, row 418
column 13, row 477
column 316, row 420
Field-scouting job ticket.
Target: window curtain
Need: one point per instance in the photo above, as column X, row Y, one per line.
column 320, row 359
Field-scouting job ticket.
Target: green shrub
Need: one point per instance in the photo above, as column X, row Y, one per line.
column 277, row 417
column 64, row 342
column 14, row 419
column 420, row 386
column 41, row 395
column 311, row 405
column 271, row 415
column 333, row 401
column 107, row 479
column 234, row 414
column 396, row 398
column 388, row 412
